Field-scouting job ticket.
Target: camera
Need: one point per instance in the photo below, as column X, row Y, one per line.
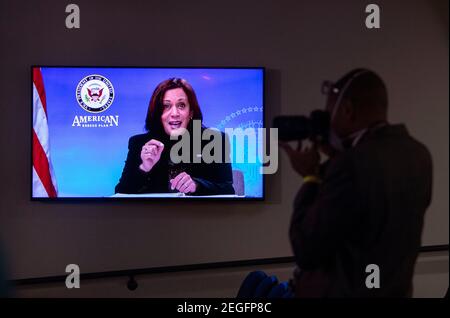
column 315, row 127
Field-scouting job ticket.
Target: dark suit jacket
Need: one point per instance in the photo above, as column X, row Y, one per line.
column 368, row 210
column 211, row 178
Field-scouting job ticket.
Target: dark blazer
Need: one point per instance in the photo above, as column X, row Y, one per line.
column 368, row 210
column 211, row 178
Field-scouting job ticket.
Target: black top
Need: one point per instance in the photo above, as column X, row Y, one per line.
column 211, row 178
column 368, row 210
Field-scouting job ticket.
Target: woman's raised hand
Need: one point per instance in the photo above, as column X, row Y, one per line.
column 150, row 154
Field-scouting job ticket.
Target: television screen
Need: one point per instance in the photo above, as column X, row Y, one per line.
column 127, row 132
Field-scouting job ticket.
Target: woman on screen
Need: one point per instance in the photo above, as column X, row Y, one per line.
column 149, row 169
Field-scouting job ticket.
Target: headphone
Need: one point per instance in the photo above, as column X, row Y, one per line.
column 344, row 88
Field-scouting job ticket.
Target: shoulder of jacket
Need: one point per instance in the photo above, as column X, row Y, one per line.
column 139, row 139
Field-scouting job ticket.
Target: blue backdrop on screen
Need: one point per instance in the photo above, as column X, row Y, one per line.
column 88, row 161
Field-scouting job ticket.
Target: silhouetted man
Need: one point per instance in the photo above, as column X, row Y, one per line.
column 367, row 205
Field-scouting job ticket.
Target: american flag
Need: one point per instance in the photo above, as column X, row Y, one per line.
column 44, row 181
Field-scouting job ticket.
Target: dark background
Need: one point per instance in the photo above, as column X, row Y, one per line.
column 300, row 43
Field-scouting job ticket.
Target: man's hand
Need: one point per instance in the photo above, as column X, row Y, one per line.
column 304, row 160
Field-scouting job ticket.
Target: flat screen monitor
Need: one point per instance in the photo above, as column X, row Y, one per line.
column 147, row 132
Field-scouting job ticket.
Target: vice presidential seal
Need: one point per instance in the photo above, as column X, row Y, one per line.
column 95, row 93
